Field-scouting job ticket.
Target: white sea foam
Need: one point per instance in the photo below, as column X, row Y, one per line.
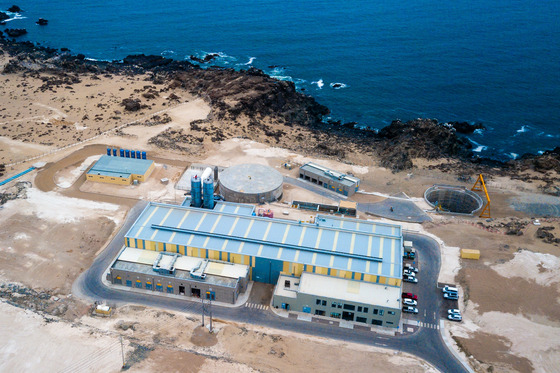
column 167, row 52
column 338, row 85
column 478, row 131
column 319, row 83
column 479, row 147
column 251, row 59
column 514, row 155
column 523, row 129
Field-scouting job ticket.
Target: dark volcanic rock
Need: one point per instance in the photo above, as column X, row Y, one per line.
column 147, row 62
column 14, row 9
column 419, row 138
column 466, row 128
column 42, row 22
column 209, row 57
column 15, row 32
column 3, row 16
column 131, row 105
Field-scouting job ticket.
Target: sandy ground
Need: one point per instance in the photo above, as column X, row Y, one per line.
column 510, row 296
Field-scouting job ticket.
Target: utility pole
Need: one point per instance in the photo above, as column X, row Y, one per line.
column 122, row 352
column 202, row 299
column 210, row 296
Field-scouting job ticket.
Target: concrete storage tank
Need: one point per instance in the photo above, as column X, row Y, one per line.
column 196, row 191
column 251, row 183
column 208, row 193
column 453, row 199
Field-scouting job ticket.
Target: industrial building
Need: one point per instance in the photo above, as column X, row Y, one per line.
column 251, row 183
column 180, row 275
column 329, row 179
column 339, row 298
column 351, row 262
column 120, row 170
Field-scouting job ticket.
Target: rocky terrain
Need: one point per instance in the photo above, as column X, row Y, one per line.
column 272, row 110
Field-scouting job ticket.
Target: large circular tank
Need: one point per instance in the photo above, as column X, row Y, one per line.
column 453, row 199
column 251, row 183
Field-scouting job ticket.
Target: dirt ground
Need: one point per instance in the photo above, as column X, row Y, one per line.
column 511, row 297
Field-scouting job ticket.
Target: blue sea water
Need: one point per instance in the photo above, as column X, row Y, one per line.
column 495, row 62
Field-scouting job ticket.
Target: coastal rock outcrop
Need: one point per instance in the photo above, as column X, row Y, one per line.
column 466, row 128
column 14, row 9
column 420, row 138
column 4, row 16
column 15, row 32
column 42, row 22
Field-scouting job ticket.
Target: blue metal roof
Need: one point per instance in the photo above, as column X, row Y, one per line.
column 365, row 226
column 120, row 166
column 342, row 248
column 227, row 207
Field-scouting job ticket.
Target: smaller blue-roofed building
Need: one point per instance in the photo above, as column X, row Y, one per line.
column 120, row 170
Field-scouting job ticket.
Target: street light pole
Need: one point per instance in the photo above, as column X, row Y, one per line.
column 210, row 310
column 202, row 299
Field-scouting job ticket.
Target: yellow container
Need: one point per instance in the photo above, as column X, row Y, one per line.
column 470, row 254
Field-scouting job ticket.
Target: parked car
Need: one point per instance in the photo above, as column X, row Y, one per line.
column 410, row 296
column 411, row 255
column 410, row 309
column 408, row 272
column 451, row 296
column 453, row 311
column 410, row 268
column 409, row 302
column 454, row 317
column 450, row 289
column 410, row 279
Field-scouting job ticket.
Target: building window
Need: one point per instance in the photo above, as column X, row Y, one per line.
column 375, row 311
column 359, row 308
column 320, row 312
column 389, row 322
column 340, row 305
column 335, row 315
column 349, row 307
column 376, row 322
column 333, row 305
column 361, row 319
column 318, row 302
column 323, row 303
column 159, row 287
column 366, row 310
column 391, row 312
column 148, row 285
column 128, row 283
column 287, row 283
column 381, row 312
column 139, row 284
column 170, row 289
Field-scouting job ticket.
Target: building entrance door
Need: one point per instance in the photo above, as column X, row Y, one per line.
column 348, row 316
column 181, row 290
column 195, row 292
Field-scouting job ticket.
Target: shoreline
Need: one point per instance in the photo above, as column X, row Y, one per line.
column 259, row 103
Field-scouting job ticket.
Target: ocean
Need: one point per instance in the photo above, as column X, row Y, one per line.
column 497, row 62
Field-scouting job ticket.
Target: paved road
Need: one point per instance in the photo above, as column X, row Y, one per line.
column 425, row 343
column 403, row 209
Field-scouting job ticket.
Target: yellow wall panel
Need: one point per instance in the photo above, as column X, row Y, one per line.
column 334, row 272
column 382, row 280
column 132, row 242
column 160, row 246
column 392, row 281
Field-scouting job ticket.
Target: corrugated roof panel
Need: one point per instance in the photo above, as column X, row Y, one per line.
column 327, row 238
column 276, row 233
column 295, row 234
column 359, row 265
column 250, row 248
column 323, row 260
column 270, row 252
column 303, row 238
column 305, row 257
column 174, row 218
column 343, row 242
